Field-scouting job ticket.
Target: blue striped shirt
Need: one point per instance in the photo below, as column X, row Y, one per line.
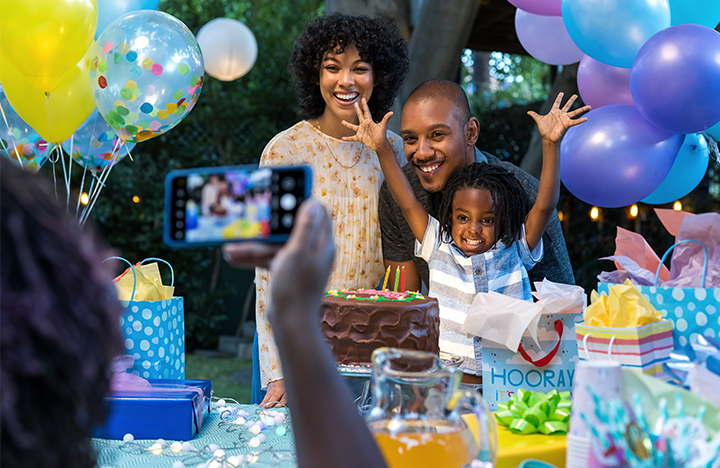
column 455, row 279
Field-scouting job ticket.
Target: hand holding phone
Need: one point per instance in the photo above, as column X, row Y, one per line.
column 216, row 205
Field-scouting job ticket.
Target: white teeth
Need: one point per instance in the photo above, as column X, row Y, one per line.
column 472, row 242
column 346, row 97
column 429, row 168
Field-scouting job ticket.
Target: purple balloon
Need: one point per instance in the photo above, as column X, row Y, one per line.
column 545, row 38
column 617, row 157
column 539, row 7
column 675, row 79
column 603, row 85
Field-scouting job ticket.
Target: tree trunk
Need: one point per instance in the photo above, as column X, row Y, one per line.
column 566, row 81
column 397, row 10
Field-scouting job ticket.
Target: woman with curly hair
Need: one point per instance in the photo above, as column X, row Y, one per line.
column 338, row 61
column 60, row 330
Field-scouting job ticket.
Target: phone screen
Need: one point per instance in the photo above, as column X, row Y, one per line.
column 217, row 205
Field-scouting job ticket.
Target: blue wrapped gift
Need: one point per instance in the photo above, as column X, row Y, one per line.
column 172, row 409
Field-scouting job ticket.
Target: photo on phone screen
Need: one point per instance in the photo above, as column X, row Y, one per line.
column 210, row 206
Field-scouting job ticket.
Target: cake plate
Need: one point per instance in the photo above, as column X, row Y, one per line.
column 365, row 370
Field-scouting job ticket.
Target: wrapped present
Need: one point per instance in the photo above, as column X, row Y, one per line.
column 167, row 409
column 514, row 448
column 623, row 326
column 688, row 295
column 525, row 344
column 153, row 323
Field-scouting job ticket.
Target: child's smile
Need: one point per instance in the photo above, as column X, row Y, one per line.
column 473, row 221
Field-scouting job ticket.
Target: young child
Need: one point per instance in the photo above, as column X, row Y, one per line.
column 487, row 236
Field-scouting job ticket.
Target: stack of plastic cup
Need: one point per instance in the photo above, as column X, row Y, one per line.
column 604, row 378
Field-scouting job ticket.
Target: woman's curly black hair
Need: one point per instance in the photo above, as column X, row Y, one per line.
column 379, row 43
column 510, row 201
column 60, row 328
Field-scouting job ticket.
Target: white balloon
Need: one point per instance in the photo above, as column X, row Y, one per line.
column 229, row 48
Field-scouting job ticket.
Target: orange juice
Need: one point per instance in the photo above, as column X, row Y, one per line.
column 419, row 444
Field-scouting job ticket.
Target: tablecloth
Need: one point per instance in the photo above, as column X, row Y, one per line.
column 220, row 443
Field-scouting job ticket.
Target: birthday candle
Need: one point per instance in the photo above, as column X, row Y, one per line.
column 402, row 280
column 387, row 275
column 397, row 279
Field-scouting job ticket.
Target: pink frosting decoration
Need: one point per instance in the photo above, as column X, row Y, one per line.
column 374, row 292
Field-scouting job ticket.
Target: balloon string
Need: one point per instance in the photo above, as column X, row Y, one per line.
column 82, row 186
column 100, row 187
column 92, row 186
column 53, row 161
column 66, row 179
column 97, row 195
column 712, row 146
column 128, row 151
column 93, row 190
column 10, row 136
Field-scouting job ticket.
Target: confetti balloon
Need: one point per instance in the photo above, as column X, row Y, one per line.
column 94, row 145
column 146, row 72
column 19, row 142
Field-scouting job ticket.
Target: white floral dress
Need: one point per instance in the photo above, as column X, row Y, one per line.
column 347, row 179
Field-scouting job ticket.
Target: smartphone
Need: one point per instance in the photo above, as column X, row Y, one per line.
column 215, row 205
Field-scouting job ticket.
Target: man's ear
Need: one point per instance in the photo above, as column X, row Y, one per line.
column 472, row 131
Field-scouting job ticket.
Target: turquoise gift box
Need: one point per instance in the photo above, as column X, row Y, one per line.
column 171, row 409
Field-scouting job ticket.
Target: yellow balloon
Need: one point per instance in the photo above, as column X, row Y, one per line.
column 55, row 115
column 44, row 39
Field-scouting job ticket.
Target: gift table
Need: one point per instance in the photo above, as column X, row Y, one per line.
column 513, row 449
column 223, row 443
column 220, row 443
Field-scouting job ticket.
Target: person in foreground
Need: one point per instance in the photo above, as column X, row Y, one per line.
column 338, row 60
column 329, row 432
column 487, row 237
column 439, row 136
column 60, row 329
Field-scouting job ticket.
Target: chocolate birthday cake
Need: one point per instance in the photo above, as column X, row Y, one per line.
column 358, row 322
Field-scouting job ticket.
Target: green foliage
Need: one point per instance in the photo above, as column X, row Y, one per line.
column 230, row 124
column 514, row 79
column 221, row 371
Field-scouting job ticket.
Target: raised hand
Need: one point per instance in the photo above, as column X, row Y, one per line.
column 553, row 125
column 371, row 134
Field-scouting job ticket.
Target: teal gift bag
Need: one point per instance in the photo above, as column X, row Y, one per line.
column 154, row 333
column 550, row 367
column 693, row 311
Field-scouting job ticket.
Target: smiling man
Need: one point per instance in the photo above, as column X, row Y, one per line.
column 439, row 138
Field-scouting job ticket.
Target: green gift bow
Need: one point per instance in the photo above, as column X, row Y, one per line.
column 529, row 412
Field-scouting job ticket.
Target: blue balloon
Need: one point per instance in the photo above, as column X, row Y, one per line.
column 703, row 12
column 110, row 10
column 617, row 157
column 686, row 173
column 612, row 31
column 714, row 131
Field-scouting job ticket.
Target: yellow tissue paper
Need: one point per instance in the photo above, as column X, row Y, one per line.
column 624, row 307
column 148, row 284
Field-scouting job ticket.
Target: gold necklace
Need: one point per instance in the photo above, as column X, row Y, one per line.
column 327, row 145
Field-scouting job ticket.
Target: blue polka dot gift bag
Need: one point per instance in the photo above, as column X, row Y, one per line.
column 153, row 323
column 693, row 311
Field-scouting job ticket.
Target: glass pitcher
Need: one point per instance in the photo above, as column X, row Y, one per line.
column 421, row 419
